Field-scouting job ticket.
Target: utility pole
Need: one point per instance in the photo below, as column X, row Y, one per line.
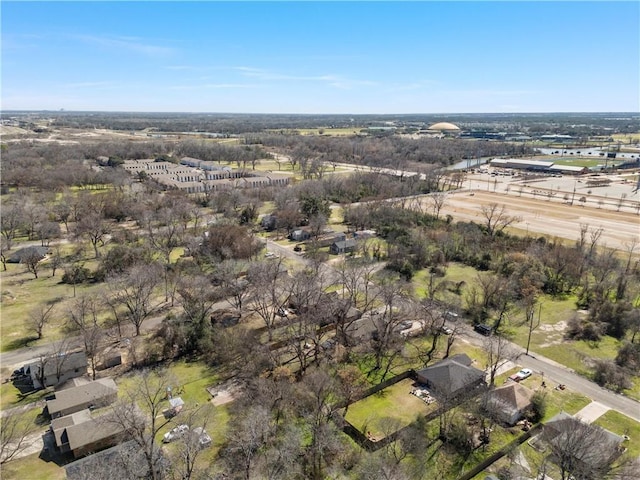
column 530, row 314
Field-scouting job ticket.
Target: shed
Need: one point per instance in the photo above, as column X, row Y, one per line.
column 343, row 246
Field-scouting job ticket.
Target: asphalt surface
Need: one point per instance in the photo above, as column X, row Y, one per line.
column 555, row 374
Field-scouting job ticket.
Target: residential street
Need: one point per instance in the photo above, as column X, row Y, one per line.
column 553, row 372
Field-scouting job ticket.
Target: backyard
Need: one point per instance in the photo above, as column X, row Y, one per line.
column 388, row 410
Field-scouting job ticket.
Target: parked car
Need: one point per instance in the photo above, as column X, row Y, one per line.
column 483, row 329
column 451, row 315
column 282, row 312
column 521, row 375
column 446, row 330
column 175, row 433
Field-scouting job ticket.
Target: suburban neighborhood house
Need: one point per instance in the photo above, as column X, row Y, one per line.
column 451, row 377
column 578, row 446
column 81, row 434
column 200, row 176
column 116, row 462
column 509, row 402
column 99, row 393
column 56, row 369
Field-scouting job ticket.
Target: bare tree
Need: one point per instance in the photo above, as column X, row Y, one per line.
column 31, row 260
column 197, row 297
column 247, row 438
column 139, row 412
column 530, row 304
column 315, row 394
column 83, row 318
column 11, row 221
column 438, row 201
column 235, row 287
column 16, row 431
column 498, row 350
column 496, row 218
column 386, row 341
column 165, row 232
column 267, row 293
column 3, row 252
column 583, row 451
column 95, row 228
column 40, row 316
column 55, row 261
column 135, row 291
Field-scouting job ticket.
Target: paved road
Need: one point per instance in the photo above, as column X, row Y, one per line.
column 559, row 374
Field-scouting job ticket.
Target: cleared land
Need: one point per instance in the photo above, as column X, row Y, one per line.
column 549, row 217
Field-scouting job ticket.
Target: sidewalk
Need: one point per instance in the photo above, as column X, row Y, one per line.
column 592, row 412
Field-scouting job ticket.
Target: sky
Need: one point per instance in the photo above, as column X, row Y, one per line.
column 321, row 57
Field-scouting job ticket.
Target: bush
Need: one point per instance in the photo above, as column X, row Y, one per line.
column 629, row 357
column 578, row 329
column 608, row 374
column 538, row 408
column 459, row 436
column 76, row 274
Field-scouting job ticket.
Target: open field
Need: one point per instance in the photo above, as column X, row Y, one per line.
column 324, row 131
column 550, row 218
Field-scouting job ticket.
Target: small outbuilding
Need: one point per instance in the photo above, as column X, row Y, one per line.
column 343, row 246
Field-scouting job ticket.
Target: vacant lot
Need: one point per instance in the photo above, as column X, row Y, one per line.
column 548, row 217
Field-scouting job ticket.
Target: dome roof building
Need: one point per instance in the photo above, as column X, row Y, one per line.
column 445, row 127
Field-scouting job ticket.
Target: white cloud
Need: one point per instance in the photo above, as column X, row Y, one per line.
column 88, row 85
column 336, row 81
column 212, row 86
column 131, row 44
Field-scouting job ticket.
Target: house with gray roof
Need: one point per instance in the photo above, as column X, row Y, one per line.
column 451, row 377
column 24, row 254
column 57, row 369
column 99, row 393
column 344, row 246
column 81, row 434
column 510, row 402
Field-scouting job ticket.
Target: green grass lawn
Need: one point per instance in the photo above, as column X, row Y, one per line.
column 191, row 379
column 622, row 425
column 564, row 401
column 21, row 293
column 455, row 273
column 11, row 397
column 392, row 406
column 32, row 467
column 582, row 161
